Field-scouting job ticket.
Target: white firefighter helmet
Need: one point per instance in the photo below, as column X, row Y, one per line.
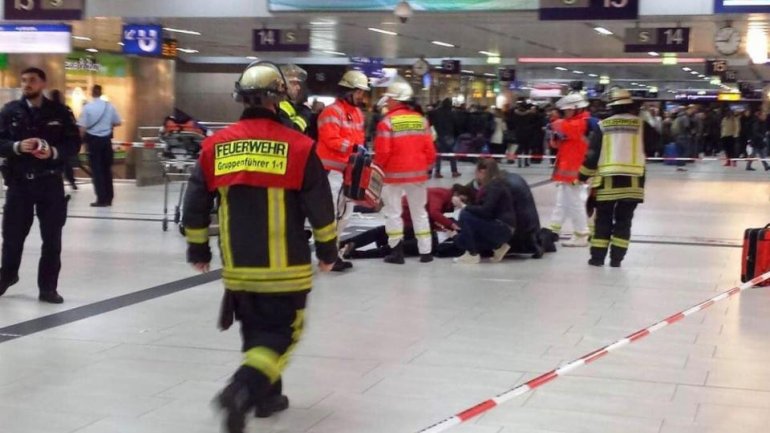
column 260, row 79
column 619, row 96
column 355, row 80
column 572, row 101
column 400, row 90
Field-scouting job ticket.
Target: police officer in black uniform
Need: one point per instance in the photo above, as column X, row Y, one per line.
column 37, row 136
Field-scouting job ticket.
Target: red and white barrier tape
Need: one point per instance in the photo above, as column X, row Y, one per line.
column 159, row 145
column 651, row 158
column 541, row 380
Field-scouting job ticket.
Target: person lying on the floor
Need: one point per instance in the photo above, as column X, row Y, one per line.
column 439, row 203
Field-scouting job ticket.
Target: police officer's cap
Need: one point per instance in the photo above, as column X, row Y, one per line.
column 260, row 79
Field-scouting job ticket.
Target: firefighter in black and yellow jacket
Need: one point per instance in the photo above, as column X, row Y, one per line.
column 616, row 161
column 267, row 180
column 292, row 110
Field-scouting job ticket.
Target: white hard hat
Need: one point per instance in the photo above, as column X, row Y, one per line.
column 355, row 80
column 572, row 101
column 260, row 79
column 619, row 97
column 400, row 90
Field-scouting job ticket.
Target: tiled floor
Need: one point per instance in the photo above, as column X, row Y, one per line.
column 395, row 349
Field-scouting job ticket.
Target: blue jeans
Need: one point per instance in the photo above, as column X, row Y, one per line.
column 480, row 234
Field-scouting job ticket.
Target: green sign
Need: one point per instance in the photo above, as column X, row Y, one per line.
column 105, row 65
column 389, row 5
column 3, row 62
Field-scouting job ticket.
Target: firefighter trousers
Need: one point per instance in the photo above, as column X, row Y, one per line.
column 570, row 205
column 271, row 326
column 416, row 198
column 613, row 228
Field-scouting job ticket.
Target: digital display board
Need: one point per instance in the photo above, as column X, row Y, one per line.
column 741, row 6
column 581, row 10
column 38, row 39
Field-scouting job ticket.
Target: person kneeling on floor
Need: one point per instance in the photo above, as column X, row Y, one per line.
column 489, row 224
column 439, row 203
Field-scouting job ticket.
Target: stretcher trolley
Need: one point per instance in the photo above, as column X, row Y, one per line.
column 179, row 140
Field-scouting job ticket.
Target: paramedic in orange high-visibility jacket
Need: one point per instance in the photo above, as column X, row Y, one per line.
column 340, row 130
column 404, row 149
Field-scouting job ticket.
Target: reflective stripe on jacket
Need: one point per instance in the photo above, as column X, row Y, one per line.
column 622, row 150
column 268, row 182
column 572, row 149
column 340, row 128
column 403, row 146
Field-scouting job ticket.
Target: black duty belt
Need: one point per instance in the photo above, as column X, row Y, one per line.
column 41, row 173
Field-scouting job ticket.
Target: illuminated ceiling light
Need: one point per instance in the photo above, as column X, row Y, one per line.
column 653, row 53
column 489, row 53
column 92, row 50
column 336, row 53
column 323, row 23
column 578, row 72
column 634, row 84
column 186, row 32
column 593, row 75
column 82, row 38
column 686, row 69
column 385, row 32
column 653, row 89
column 602, row 30
column 694, row 72
column 188, row 50
column 756, row 45
column 559, row 68
column 490, row 75
column 443, row 44
column 465, row 71
column 252, row 57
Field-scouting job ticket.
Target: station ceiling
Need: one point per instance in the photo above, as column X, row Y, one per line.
column 510, row 34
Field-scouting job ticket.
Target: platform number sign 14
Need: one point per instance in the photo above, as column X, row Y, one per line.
column 297, row 40
column 266, row 37
column 663, row 40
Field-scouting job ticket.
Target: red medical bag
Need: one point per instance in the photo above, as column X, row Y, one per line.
column 756, row 254
column 363, row 180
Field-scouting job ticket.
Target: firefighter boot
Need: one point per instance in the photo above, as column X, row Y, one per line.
column 274, row 402
column 396, row 255
column 236, row 401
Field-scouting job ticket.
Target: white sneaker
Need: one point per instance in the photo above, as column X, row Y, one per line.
column 468, row 259
column 577, row 240
column 499, row 254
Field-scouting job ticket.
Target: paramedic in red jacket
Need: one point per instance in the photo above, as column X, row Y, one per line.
column 340, row 129
column 403, row 148
column 570, row 137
